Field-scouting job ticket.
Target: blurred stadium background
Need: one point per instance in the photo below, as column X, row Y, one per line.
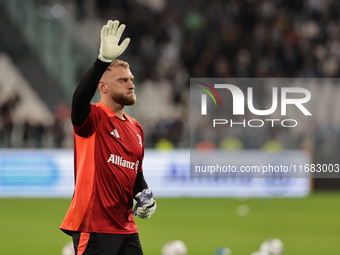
column 45, row 48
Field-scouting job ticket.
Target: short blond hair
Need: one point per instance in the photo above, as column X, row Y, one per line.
column 117, row 63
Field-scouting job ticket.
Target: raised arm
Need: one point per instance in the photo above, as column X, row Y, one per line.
column 85, row 91
column 109, row 49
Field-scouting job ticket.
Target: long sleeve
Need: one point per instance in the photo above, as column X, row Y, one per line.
column 140, row 184
column 84, row 92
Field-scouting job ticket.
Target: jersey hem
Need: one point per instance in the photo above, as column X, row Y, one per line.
column 70, row 231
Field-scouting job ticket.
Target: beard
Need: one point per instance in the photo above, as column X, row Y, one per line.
column 124, row 99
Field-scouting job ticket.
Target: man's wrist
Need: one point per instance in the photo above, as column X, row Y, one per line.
column 106, row 60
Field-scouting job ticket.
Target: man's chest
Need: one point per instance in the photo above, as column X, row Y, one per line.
column 120, row 138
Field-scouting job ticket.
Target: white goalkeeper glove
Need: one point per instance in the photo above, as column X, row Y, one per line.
column 145, row 211
column 110, row 36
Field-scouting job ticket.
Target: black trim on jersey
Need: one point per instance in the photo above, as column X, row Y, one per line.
column 140, row 184
column 84, row 92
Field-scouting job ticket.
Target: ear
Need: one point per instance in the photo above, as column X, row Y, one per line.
column 103, row 87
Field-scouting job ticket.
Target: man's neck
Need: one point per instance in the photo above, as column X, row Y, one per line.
column 117, row 109
column 120, row 114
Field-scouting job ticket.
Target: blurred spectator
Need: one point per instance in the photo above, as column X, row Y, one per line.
column 205, row 145
column 58, row 132
column 272, row 145
column 171, row 130
column 80, row 10
column 164, row 144
column 1, row 36
column 231, row 143
column 6, row 120
column 33, row 135
column 62, row 119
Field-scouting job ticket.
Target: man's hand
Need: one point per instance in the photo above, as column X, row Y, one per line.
column 146, row 211
column 110, row 36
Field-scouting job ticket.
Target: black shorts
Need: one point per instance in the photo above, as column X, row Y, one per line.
column 106, row 244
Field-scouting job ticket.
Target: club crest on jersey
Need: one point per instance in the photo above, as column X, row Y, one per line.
column 140, row 140
column 115, row 133
column 118, row 160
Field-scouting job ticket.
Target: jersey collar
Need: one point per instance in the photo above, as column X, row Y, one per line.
column 108, row 111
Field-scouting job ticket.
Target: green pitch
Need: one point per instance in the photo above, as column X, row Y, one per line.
column 306, row 226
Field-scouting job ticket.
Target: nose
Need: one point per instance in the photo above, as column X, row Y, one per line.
column 131, row 85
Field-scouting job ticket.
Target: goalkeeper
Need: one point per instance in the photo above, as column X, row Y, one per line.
column 108, row 155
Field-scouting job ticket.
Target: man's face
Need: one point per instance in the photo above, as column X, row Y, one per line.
column 120, row 85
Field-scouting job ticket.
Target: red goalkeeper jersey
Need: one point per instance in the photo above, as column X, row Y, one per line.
column 108, row 153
